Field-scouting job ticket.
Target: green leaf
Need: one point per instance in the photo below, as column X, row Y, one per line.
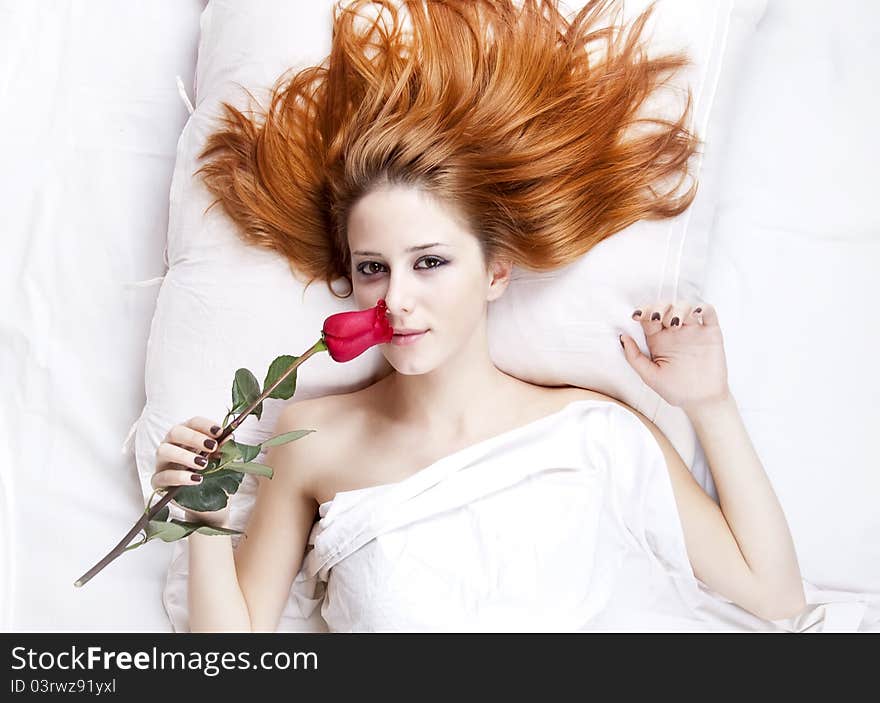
column 245, row 390
column 284, row 438
column 251, row 467
column 162, row 515
column 166, row 531
column 234, row 451
column 229, row 452
column 248, row 451
column 209, row 530
column 228, row 480
column 276, row 371
column 211, row 493
column 138, row 544
column 178, row 529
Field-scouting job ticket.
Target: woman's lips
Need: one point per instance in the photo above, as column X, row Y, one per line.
column 404, row 339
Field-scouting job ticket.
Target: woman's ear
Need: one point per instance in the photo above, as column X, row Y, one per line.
column 499, row 271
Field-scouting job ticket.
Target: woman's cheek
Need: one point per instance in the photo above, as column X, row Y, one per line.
column 469, row 291
column 360, row 295
column 364, row 292
column 460, row 305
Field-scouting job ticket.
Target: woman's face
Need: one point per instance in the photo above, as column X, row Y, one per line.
column 410, row 250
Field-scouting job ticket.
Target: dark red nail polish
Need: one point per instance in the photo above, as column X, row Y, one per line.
column 698, row 310
column 655, row 316
column 196, row 478
column 201, row 461
column 674, row 321
column 210, row 444
column 215, row 430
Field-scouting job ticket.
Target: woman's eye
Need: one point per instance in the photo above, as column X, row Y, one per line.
column 367, row 265
column 432, row 262
column 436, row 259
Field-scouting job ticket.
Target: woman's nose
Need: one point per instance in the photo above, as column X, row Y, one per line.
column 398, row 296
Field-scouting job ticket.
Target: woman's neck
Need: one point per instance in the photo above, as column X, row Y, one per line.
column 449, row 401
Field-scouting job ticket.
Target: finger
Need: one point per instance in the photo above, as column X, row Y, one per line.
column 204, row 425
column 708, row 314
column 174, row 477
column 201, row 424
column 171, row 454
column 678, row 316
column 638, row 314
column 654, row 314
column 185, row 436
column 668, row 310
column 644, row 366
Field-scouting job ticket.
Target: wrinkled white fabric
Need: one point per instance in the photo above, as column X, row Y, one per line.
column 568, row 523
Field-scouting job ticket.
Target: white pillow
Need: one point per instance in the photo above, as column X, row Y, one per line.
column 561, row 327
column 224, row 305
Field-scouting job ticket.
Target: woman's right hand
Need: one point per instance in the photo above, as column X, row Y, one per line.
column 178, row 460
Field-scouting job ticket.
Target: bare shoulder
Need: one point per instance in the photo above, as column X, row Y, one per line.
column 333, row 419
column 270, row 555
column 309, row 410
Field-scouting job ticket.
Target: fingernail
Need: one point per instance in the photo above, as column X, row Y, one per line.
column 698, row 310
column 196, row 478
column 637, row 313
column 622, row 345
column 210, row 444
column 655, row 316
column 674, row 321
column 215, row 430
column 201, row 461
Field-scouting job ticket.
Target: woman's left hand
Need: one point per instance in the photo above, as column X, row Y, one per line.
column 687, row 366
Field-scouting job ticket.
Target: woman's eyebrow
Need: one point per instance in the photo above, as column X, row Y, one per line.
column 416, row 248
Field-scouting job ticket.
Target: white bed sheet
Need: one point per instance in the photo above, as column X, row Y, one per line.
column 796, row 248
column 91, row 116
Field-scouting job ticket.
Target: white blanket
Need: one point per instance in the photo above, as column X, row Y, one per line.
column 567, row 523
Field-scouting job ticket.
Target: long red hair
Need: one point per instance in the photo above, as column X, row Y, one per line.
column 519, row 118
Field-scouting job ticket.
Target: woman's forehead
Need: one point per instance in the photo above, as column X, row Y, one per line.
column 386, row 223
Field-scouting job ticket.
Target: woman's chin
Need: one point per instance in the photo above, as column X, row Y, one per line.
column 405, row 367
column 408, row 369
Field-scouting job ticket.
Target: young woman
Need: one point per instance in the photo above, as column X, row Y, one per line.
column 488, row 137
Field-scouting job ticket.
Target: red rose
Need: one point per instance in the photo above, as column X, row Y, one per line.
column 350, row 334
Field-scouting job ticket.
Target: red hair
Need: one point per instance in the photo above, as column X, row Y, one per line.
column 519, row 118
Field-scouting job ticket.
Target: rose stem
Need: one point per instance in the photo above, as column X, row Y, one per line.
column 169, row 495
